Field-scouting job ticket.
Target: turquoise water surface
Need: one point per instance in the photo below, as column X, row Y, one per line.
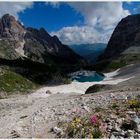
column 92, row 78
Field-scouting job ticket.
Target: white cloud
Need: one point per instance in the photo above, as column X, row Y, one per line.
column 81, row 35
column 100, row 20
column 101, row 14
column 53, row 4
column 14, row 8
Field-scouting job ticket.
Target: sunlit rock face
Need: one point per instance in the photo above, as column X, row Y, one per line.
column 16, row 41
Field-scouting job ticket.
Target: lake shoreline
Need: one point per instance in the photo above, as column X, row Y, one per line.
column 79, row 87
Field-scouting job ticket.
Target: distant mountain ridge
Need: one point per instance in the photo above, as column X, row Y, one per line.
column 89, row 51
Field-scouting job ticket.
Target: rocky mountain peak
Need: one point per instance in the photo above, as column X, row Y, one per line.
column 55, row 38
column 10, row 27
column 44, row 34
column 7, row 20
column 43, row 31
column 35, row 44
column 126, row 35
column 11, row 37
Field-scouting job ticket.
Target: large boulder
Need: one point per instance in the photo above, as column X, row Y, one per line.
column 98, row 88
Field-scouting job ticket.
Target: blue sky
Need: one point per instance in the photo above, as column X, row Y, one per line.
column 50, row 17
column 75, row 22
column 54, row 18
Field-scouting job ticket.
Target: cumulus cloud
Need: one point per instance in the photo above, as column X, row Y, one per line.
column 100, row 20
column 14, row 8
column 53, row 4
column 104, row 15
column 82, row 35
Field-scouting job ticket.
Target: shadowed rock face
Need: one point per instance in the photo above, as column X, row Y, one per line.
column 39, row 46
column 125, row 35
column 34, row 44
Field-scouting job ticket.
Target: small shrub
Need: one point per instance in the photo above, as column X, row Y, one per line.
column 98, row 109
column 83, row 128
column 97, row 133
column 134, row 104
column 114, row 106
column 66, row 81
column 93, row 119
column 138, row 96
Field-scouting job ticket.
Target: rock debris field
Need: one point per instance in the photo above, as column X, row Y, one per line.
column 35, row 115
column 29, row 117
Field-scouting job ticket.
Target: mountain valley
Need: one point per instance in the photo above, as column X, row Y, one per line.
column 39, row 100
column 90, row 52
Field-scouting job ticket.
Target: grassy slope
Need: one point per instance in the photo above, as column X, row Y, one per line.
column 11, row 82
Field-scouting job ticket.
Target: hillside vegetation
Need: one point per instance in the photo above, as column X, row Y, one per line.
column 108, row 65
column 11, row 82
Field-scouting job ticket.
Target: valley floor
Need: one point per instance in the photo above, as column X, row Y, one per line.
column 33, row 115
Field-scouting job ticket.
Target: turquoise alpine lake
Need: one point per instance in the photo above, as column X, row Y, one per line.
column 95, row 77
